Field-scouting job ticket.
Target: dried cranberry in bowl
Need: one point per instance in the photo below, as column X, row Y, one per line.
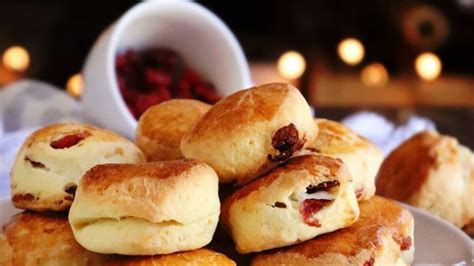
column 151, row 76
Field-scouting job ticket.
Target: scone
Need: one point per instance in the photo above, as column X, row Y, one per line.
column 307, row 196
column 362, row 157
column 42, row 239
column 161, row 128
column 53, row 159
column 433, row 172
column 188, row 258
column 383, row 235
column 249, row 132
column 146, row 209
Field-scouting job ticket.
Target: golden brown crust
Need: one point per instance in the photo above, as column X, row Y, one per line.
column 161, row 128
column 433, row 172
column 56, row 131
column 43, row 238
column 378, row 217
column 406, row 169
column 251, row 131
column 103, row 176
column 188, row 258
column 307, row 196
column 310, row 163
column 146, row 209
column 334, row 138
column 362, row 157
column 244, row 107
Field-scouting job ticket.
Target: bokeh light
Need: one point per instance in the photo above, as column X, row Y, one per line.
column 16, row 58
column 291, row 65
column 428, row 66
column 74, row 86
column 374, row 75
column 351, row 51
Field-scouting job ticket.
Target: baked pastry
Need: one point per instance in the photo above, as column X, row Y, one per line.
column 53, row 159
column 249, row 132
column 432, row 172
column 161, row 128
column 186, row 258
column 42, row 239
column 146, row 209
column 362, row 157
column 307, row 196
column 383, row 235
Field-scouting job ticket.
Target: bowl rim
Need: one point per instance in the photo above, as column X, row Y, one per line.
column 136, row 11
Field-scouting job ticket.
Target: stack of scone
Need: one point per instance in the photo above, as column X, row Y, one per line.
column 117, row 203
column 299, row 190
column 298, row 182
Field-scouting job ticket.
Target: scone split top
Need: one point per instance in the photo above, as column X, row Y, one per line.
column 146, row 209
column 307, row 196
column 249, row 132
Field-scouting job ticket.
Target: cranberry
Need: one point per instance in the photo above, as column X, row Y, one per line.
column 68, row 141
column 309, row 207
column 154, row 75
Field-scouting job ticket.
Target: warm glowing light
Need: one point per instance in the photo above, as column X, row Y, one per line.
column 291, row 65
column 351, row 51
column 16, row 58
column 374, row 75
column 428, row 66
column 74, row 86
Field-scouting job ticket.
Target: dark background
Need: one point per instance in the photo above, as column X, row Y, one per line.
column 59, row 34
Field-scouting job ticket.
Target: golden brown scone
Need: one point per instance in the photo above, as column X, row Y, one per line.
column 383, row 235
column 161, row 128
column 42, row 239
column 307, row 196
column 146, row 209
column 187, row 258
column 249, row 132
column 362, row 157
column 433, row 172
column 53, row 159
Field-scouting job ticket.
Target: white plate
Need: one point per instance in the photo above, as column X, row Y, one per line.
column 436, row 241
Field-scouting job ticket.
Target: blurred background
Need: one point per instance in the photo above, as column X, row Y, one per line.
column 398, row 58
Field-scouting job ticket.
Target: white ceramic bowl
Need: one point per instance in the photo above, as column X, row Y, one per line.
column 200, row 37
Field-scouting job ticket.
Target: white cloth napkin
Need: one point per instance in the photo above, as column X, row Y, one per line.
column 28, row 105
